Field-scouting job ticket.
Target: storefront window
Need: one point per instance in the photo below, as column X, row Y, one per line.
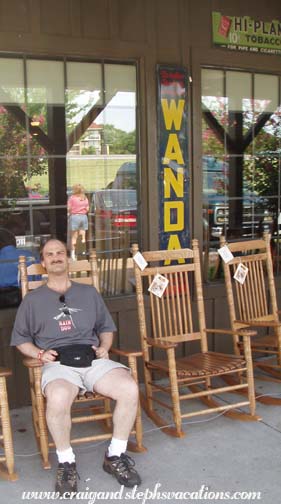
column 64, row 123
column 103, row 157
column 241, row 160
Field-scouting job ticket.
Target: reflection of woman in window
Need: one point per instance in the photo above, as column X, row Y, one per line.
column 77, row 207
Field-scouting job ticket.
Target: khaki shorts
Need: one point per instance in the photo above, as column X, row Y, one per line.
column 85, row 378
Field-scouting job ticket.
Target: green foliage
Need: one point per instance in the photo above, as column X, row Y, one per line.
column 15, row 168
column 119, row 141
column 262, row 170
column 261, row 164
column 88, row 150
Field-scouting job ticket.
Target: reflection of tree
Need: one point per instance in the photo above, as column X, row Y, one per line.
column 15, row 169
column 119, row 141
column 214, row 120
column 220, row 127
column 266, row 177
column 221, row 184
column 251, row 140
column 88, row 150
column 55, row 123
column 261, row 172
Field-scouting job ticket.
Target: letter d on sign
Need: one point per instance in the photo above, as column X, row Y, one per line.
column 178, row 207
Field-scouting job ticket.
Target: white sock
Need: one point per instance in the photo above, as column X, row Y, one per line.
column 66, row 456
column 116, row 447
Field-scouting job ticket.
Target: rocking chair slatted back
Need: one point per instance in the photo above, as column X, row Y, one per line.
column 254, row 304
column 250, row 300
column 172, row 315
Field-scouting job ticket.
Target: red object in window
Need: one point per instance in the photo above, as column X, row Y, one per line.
column 104, row 214
column 125, row 220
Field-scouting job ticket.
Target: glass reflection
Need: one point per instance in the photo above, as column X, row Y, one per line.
column 103, row 157
column 74, row 123
column 241, row 157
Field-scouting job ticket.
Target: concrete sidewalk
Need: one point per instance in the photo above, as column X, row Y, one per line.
column 218, row 454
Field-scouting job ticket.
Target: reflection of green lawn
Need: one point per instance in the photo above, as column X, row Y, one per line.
column 93, row 173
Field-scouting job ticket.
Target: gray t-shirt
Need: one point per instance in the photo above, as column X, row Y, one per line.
column 46, row 321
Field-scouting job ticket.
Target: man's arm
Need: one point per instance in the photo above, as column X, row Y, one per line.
column 106, row 340
column 30, row 350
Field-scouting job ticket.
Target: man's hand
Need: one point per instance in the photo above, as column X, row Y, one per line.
column 49, row 355
column 30, row 350
column 101, row 352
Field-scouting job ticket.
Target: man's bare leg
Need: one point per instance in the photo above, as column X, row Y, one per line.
column 60, row 395
column 120, row 386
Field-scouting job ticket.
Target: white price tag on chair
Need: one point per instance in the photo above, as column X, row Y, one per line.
column 241, row 273
column 158, row 285
column 140, row 260
column 225, row 254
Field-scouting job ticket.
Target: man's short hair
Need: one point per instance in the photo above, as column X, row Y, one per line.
column 47, row 241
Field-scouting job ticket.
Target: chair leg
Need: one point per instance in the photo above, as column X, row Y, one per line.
column 276, row 374
column 277, row 332
column 41, row 419
column 148, row 389
column 269, row 400
column 158, row 420
column 138, row 446
column 174, row 390
column 139, row 433
column 8, row 473
column 250, row 375
column 107, row 408
column 146, row 401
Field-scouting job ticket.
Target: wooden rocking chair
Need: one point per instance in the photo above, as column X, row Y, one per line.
column 6, row 440
column 253, row 304
column 180, row 376
column 88, row 408
column 114, row 268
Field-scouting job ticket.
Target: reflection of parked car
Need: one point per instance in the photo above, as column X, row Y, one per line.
column 256, row 218
column 17, row 217
column 125, row 177
column 112, row 212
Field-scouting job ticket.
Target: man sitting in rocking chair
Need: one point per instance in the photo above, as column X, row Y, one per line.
column 64, row 323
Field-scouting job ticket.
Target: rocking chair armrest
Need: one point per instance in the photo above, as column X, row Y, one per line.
column 29, row 362
column 126, row 353
column 259, row 323
column 5, row 372
column 240, row 332
column 161, row 344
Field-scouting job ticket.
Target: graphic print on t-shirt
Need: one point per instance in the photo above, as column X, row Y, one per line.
column 65, row 319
